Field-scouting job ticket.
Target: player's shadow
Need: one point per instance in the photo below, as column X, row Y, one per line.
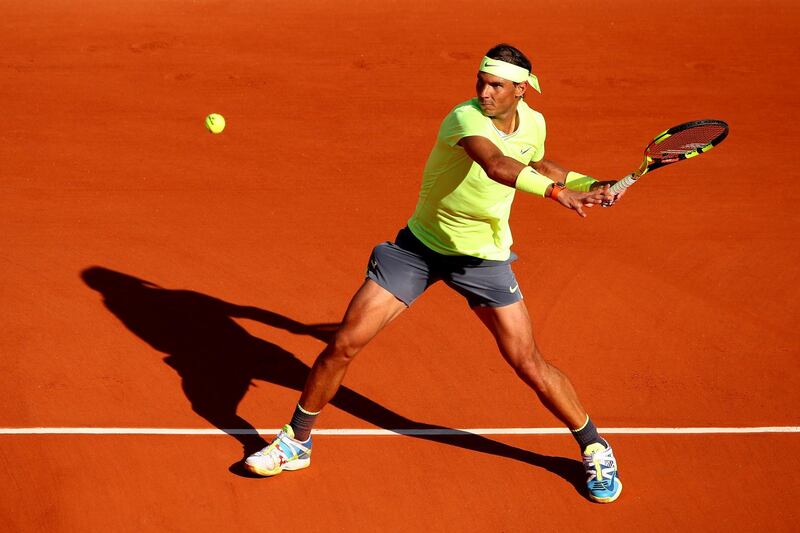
column 218, row 360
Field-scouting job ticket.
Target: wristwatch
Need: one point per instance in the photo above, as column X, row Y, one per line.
column 558, row 186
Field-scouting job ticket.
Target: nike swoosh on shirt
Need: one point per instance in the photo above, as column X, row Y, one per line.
column 526, row 150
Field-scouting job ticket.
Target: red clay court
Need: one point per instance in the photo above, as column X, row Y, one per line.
column 162, row 280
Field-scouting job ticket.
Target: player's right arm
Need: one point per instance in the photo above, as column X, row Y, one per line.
column 504, row 169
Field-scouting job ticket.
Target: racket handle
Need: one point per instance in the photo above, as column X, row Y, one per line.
column 620, row 186
column 624, row 183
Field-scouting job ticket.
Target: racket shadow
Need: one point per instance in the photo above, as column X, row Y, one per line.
column 218, row 361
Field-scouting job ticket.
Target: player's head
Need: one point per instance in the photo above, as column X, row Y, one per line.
column 503, row 77
column 111, row 283
column 509, row 54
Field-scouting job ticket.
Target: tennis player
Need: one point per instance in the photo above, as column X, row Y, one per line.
column 487, row 148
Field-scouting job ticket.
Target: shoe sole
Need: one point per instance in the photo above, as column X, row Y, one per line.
column 294, row 465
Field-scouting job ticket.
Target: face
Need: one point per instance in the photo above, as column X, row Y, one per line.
column 497, row 96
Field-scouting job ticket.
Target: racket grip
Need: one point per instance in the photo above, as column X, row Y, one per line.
column 623, row 184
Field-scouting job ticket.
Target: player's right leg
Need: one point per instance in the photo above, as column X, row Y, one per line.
column 396, row 276
column 371, row 309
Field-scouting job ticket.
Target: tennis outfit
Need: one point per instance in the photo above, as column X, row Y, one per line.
column 459, row 232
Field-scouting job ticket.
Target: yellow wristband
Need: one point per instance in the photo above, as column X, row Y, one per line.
column 529, row 180
column 579, row 182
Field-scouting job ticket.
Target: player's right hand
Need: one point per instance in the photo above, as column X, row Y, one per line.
column 613, row 198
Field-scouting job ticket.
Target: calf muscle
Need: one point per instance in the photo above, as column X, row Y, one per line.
column 371, row 309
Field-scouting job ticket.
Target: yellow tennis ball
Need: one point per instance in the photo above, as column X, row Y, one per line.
column 215, row 123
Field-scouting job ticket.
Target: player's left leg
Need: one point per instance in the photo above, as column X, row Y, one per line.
column 512, row 330
column 511, row 327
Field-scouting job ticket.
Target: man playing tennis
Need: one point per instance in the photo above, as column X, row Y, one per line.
column 487, row 148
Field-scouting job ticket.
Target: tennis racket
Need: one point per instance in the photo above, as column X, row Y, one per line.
column 676, row 144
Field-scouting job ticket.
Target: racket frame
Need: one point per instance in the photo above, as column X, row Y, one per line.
column 649, row 164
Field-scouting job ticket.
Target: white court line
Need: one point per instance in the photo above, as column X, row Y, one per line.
column 396, row 432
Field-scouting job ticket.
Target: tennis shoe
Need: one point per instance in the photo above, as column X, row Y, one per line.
column 601, row 468
column 283, row 453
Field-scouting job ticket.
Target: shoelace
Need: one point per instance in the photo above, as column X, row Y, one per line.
column 275, row 451
column 600, row 465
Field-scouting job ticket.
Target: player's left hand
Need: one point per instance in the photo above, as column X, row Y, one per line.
column 578, row 201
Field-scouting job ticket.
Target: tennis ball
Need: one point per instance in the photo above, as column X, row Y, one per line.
column 215, row 123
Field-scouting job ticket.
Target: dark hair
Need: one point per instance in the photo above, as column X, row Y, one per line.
column 509, row 54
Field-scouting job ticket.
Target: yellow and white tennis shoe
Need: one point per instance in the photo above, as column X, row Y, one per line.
column 283, row 453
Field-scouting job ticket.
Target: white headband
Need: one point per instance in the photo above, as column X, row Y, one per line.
column 510, row 72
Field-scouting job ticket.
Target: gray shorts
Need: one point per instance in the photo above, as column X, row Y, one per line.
column 407, row 267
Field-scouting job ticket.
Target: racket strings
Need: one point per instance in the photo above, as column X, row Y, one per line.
column 685, row 141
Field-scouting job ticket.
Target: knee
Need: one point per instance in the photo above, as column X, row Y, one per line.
column 532, row 369
column 342, row 349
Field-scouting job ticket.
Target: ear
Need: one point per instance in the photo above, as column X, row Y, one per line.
column 519, row 89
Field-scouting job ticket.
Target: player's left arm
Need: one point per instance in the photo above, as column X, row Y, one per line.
column 573, row 180
column 323, row 331
column 556, row 172
column 506, row 170
column 551, row 169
